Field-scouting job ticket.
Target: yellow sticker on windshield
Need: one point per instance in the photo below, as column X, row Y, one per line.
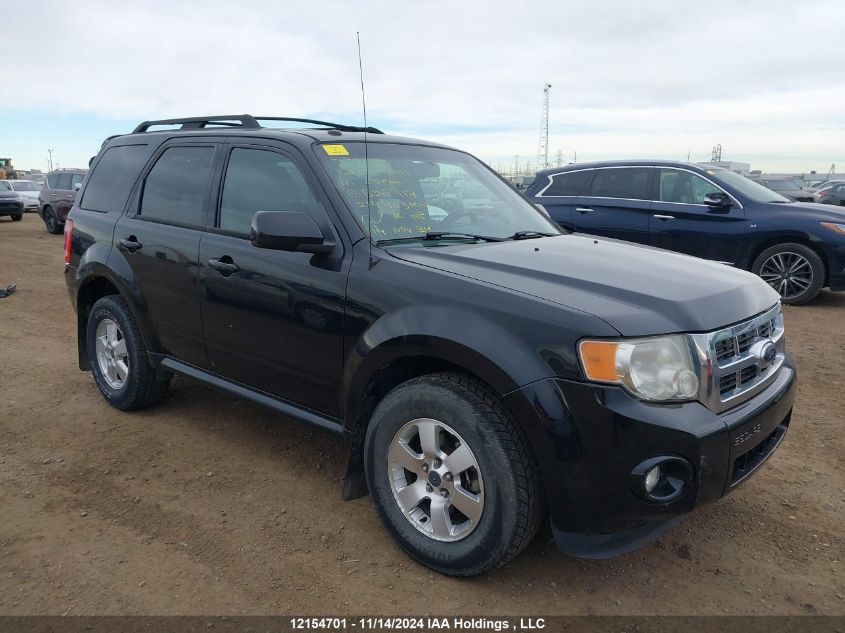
column 336, row 150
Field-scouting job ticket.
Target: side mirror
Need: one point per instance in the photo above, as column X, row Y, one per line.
column 293, row 231
column 717, row 200
column 76, row 186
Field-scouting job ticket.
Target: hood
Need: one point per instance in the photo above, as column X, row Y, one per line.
column 824, row 212
column 638, row 290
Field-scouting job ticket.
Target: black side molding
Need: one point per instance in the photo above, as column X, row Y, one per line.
column 227, row 386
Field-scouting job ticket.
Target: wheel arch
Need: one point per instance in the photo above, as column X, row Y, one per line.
column 387, row 354
column 797, row 238
column 95, row 280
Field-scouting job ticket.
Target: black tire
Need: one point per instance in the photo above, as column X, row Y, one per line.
column 513, row 506
column 789, row 294
column 142, row 386
column 17, row 218
column 51, row 221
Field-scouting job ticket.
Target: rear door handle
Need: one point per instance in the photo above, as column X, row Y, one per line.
column 664, row 217
column 584, row 210
column 131, row 244
column 225, row 267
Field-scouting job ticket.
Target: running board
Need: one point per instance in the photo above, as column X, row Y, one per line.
column 227, row 386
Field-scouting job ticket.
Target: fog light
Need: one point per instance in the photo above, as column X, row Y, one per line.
column 652, row 478
column 662, row 479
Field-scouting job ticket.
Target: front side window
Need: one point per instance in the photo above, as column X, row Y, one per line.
column 112, row 179
column 5, row 186
column 632, row 183
column 63, row 181
column 261, row 180
column 570, row 183
column 408, row 192
column 175, row 188
column 680, row 186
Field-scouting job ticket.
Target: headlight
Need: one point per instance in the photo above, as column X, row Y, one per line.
column 656, row 369
column 836, row 228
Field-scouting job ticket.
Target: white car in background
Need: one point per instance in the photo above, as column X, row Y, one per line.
column 29, row 192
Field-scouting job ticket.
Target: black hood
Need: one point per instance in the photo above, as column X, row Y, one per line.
column 638, row 290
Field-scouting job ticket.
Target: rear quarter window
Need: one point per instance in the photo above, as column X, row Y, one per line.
column 112, row 179
column 570, row 183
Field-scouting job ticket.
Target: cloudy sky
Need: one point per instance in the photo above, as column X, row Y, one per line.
column 653, row 79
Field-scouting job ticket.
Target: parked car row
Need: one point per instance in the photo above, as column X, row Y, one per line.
column 702, row 210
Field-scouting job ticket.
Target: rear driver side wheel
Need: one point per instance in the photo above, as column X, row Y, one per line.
column 118, row 357
column 51, row 221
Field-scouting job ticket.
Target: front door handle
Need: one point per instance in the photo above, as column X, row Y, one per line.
column 225, row 267
column 131, row 244
column 664, row 217
column 584, row 210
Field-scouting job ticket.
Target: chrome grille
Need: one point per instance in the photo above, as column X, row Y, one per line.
column 729, row 370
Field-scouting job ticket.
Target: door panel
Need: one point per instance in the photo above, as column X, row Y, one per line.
column 680, row 222
column 160, row 240
column 274, row 323
column 165, row 268
column 617, row 204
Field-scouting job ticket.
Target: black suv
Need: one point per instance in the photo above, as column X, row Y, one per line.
column 487, row 370
column 703, row 210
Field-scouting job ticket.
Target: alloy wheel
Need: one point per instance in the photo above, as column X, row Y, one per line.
column 787, row 272
column 112, row 356
column 436, row 479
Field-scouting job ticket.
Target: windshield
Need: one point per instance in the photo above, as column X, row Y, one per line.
column 415, row 191
column 24, row 185
column 746, row 186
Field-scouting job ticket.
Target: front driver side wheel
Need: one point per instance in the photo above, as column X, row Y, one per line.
column 795, row 271
column 451, row 475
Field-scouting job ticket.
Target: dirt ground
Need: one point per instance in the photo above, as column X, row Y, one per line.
column 206, row 504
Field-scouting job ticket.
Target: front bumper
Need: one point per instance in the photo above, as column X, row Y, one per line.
column 588, row 439
column 11, row 208
column 835, row 254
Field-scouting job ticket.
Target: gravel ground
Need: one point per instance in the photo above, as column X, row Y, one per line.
column 206, row 504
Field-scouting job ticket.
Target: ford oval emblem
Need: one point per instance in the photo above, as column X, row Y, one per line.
column 765, row 352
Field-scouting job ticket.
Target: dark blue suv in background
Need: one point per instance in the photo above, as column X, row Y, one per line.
column 702, row 210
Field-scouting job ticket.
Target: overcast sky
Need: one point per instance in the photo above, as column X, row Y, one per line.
column 766, row 79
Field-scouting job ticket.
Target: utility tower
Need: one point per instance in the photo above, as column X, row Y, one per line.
column 543, row 145
column 559, row 161
column 716, row 157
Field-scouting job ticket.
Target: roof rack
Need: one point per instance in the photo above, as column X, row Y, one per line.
column 246, row 121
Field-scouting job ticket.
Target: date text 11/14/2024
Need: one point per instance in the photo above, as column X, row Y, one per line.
column 377, row 623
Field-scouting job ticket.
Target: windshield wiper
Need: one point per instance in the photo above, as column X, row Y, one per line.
column 443, row 235
column 529, row 235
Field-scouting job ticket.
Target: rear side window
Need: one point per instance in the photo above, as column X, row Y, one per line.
column 109, row 185
column 62, row 181
column 175, row 188
column 626, row 182
column 569, row 183
column 261, row 180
